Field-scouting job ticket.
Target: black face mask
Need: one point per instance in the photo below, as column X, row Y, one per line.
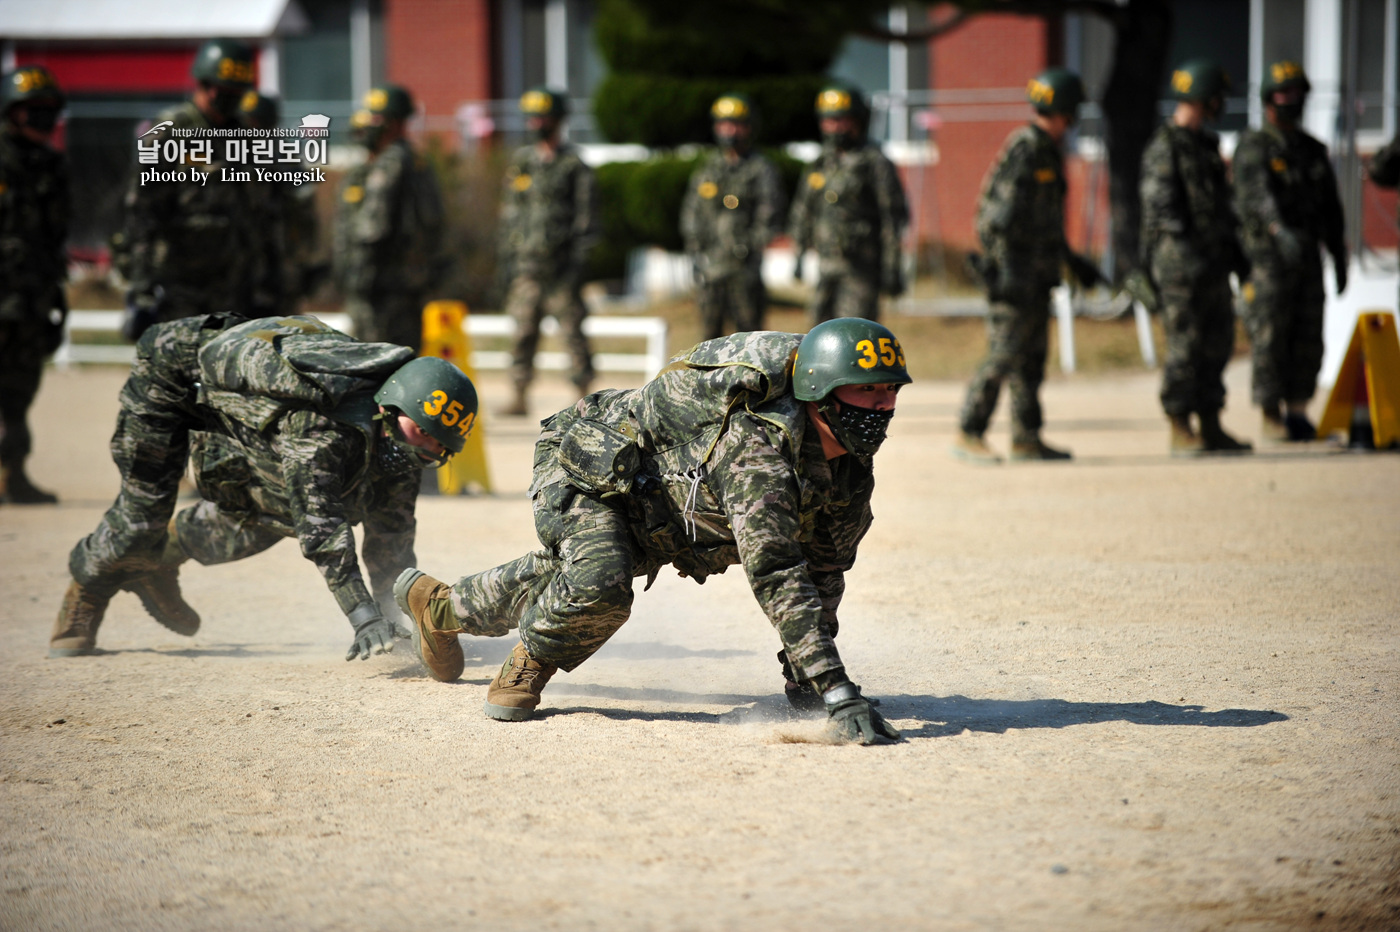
column 224, row 101
column 860, row 430
column 393, row 454
column 843, row 139
column 1289, row 114
column 41, row 119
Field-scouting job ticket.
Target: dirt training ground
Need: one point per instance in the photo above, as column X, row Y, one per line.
column 1138, row 693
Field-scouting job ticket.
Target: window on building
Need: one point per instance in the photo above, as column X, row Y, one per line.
column 1374, row 46
column 1283, row 31
column 1218, row 30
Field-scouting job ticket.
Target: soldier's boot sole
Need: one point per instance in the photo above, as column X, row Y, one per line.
column 159, row 593
column 421, row 598
column 514, row 693
column 75, row 629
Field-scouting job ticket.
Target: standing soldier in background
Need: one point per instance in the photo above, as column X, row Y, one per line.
column 389, row 225
column 189, row 248
column 1385, row 165
column 1021, row 223
column 850, row 207
column 286, row 226
column 33, row 227
column 731, row 212
column 549, row 223
column 1190, row 248
column 1286, row 197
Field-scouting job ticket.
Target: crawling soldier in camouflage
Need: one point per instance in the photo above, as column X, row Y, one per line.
column 1021, row 223
column 389, row 225
column 1286, row 197
column 294, row 430
column 1189, row 245
column 190, row 248
column 549, row 225
column 731, row 211
column 754, row 449
column 33, row 226
column 850, row 207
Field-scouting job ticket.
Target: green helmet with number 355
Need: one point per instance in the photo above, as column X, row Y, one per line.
column 846, row 351
column 437, row 396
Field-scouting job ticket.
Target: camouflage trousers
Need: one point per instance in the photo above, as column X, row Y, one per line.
column 23, row 346
column 845, row 294
column 1017, row 341
column 388, row 317
column 738, row 298
column 1283, row 317
column 530, row 298
column 210, row 536
column 568, row 598
column 1198, row 316
column 150, row 448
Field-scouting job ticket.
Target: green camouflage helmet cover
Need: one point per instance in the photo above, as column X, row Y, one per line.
column 437, row 396
column 30, row 83
column 1199, row 79
column 846, row 351
column 224, row 61
column 1284, row 76
column 544, row 102
column 1055, row 90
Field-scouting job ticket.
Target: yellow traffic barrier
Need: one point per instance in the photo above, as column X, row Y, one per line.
column 1366, row 396
column 445, row 336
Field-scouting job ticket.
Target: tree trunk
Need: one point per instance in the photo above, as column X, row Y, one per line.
column 1130, row 117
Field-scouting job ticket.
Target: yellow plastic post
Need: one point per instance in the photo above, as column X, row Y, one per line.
column 445, row 336
column 1370, row 375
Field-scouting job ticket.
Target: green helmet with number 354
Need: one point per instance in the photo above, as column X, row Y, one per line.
column 437, row 396
column 846, row 351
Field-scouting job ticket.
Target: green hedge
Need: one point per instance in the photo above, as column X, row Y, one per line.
column 640, row 204
column 663, row 111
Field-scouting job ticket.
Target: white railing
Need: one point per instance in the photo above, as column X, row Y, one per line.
column 648, row 362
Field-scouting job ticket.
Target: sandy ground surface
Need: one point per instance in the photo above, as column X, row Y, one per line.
column 1138, row 693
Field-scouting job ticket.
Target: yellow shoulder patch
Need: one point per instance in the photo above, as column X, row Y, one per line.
column 707, row 189
column 3, row 187
column 1046, row 175
column 1278, row 165
column 816, row 181
column 353, row 194
column 521, row 182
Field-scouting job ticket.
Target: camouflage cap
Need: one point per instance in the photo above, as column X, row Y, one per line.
column 437, row 396
column 735, row 107
column 1284, row 76
column 224, row 61
column 544, row 102
column 30, row 83
column 846, row 351
column 1199, row 79
column 1056, row 90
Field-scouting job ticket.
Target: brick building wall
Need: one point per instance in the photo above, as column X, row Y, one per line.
column 441, row 51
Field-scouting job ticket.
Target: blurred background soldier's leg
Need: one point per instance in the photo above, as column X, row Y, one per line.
column 525, row 304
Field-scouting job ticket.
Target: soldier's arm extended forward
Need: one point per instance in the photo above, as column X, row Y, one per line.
column 388, row 534
column 1385, row 165
column 317, row 456
column 758, row 487
column 894, row 217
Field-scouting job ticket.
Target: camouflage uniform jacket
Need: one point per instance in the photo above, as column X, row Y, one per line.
column 33, row 226
column 192, row 234
column 730, row 213
column 1021, row 213
column 850, row 207
column 549, row 214
column 292, row 446
column 730, row 474
column 1285, row 178
column 389, row 224
column 1186, row 196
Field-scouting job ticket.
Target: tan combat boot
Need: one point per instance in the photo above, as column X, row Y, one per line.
column 1214, row 438
column 1036, row 449
column 159, row 592
column 435, row 627
column 75, row 631
column 971, row 448
column 16, row 488
column 519, row 406
column 514, row 693
column 1184, row 440
column 1273, row 429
